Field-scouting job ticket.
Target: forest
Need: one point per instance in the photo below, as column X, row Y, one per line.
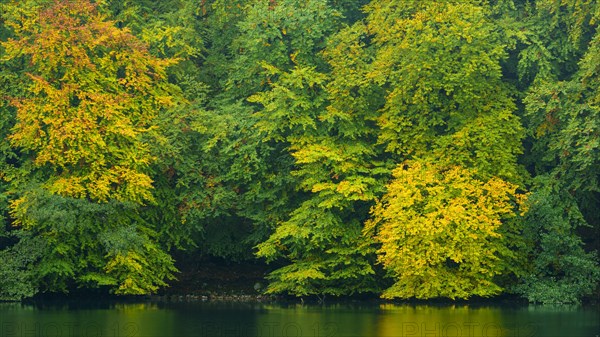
column 403, row 149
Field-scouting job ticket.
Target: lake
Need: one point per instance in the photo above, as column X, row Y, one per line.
column 141, row 319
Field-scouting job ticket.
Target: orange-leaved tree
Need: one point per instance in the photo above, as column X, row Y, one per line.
column 94, row 93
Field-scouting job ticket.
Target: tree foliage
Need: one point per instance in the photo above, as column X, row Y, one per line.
column 18, row 274
column 559, row 270
column 378, row 146
column 440, row 64
column 322, row 236
column 85, row 124
column 94, row 92
column 440, row 230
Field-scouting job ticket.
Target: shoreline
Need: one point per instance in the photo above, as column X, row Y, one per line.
column 83, row 298
column 213, row 282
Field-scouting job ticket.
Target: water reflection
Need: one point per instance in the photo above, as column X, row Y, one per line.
column 450, row 320
column 253, row 320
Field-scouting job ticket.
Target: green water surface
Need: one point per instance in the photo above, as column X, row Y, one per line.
column 76, row 319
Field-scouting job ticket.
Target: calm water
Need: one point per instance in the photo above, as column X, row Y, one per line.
column 210, row 319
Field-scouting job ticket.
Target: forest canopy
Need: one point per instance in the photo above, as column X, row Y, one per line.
column 404, row 149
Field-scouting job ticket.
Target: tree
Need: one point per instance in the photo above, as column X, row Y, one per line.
column 170, row 28
column 305, row 110
column 325, row 134
column 281, row 34
column 553, row 36
column 558, row 269
column 85, row 126
column 446, row 103
column 18, row 274
column 95, row 91
column 322, row 237
column 563, row 117
column 229, row 185
column 562, row 111
column 441, row 231
column 440, row 65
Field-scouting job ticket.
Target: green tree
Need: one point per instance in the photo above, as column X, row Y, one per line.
column 306, row 110
column 170, row 28
column 440, row 66
column 328, row 135
column 562, row 111
column 558, row 270
column 554, row 35
column 229, row 184
column 322, row 237
column 18, row 274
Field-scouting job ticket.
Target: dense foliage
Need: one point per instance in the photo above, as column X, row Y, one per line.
column 441, row 231
column 409, row 149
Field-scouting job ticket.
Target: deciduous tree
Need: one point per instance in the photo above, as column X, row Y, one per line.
column 85, row 123
column 441, row 232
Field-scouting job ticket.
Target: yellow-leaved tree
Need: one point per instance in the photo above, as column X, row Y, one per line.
column 442, row 231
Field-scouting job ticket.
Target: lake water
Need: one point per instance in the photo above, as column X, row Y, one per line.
column 76, row 319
